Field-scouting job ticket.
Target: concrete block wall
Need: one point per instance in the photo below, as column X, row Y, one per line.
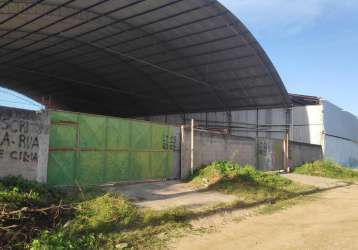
column 265, row 154
column 301, row 153
column 24, row 143
column 270, row 154
column 211, row 146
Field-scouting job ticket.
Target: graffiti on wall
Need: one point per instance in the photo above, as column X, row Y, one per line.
column 169, row 143
column 19, row 139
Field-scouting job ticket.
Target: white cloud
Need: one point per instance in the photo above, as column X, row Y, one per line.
column 286, row 16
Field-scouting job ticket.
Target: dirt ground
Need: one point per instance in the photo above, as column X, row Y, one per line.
column 171, row 194
column 327, row 222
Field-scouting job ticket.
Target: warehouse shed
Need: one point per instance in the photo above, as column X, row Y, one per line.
column 135, row 57
column 126, row 59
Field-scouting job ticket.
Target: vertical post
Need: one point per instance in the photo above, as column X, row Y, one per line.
column 182, row 151
column 50, row 102
column 286, row 141
column 257, row 141
column 285, row 152
column 192, row 147
column 229, row 115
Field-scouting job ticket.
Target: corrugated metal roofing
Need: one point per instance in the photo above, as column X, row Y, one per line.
column 135, row 57
column 304, row 100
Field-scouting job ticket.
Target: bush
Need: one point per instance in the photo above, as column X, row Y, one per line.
column 17, row 185
column 108, row 221
column 222, row 170
column 105, row 213
column 329, row 169
column 60, row 241
column 89, row 220
column 27, row 208
column 245, row 181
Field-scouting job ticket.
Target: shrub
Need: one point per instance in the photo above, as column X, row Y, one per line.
column 327, row 169
column 245, row 181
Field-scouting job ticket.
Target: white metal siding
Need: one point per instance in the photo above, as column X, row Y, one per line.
column 307, row 124
column 341, row 129
column 342, row 151
column 340, row 123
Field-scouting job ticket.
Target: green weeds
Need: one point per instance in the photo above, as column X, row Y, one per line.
column 38, row 217
column 249, row 184
column 328, row 169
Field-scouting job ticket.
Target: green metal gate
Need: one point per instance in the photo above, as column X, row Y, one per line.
column 88, row 149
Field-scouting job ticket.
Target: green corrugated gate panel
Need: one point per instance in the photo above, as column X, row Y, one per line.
column 61, row 168
column 92, row 131
column 159, row 164
column 117, row 167
column 58, row 116
column 109, row 150
column 140, row 168
column 159, row 134
column 90, row 168
column 63, row 136
column 118, row 133
column 141, row 136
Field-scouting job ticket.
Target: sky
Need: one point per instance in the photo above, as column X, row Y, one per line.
column 312, row 43
column 11, row 98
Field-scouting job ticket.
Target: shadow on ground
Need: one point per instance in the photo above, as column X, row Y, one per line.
column 204, row 202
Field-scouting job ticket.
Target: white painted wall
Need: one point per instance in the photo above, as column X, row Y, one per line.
column 341, row 135
column 307, row 124
column 24, row 143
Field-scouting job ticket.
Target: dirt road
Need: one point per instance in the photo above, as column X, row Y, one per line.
column 330, row 222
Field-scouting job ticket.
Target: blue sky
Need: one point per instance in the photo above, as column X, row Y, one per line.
column 14, row 99
column 312, row 43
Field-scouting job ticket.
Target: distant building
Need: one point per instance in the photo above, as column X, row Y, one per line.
column 311, row 120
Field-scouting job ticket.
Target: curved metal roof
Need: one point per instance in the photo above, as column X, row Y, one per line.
column 135, row 57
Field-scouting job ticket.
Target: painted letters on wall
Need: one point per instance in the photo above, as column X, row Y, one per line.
column 23, row 143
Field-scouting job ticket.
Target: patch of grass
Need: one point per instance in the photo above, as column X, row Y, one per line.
column 328, row 169
column 25, row 209
column 249, row 184
column 112, row 222
column 38, row 217
column 92, row 219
